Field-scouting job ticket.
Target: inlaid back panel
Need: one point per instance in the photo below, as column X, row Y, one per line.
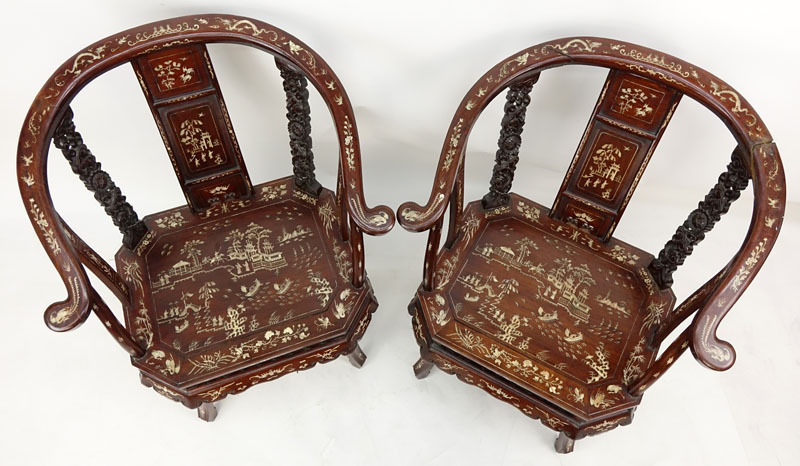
column 186, row 101
column 628, row 120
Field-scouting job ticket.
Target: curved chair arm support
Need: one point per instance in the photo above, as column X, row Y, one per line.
column 60, row 89
column 662, row 364
column 714, row 299
column 688, row 307
column 60, row 318
column 114, row 327
column 73, row 311
column 375, row 221
column 769, row 205
column 99, row 267
column 113, row 281
column 691, row 304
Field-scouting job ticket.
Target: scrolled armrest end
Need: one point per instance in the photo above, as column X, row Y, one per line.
column 710, row 351
column 414, row 217
column 70, row 313
column 376, row 221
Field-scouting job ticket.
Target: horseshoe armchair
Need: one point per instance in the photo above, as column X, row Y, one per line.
column 542, row 307
column 243, row 284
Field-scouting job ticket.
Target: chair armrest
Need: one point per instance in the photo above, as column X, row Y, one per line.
column 372, row 221
column 375, row 221
column 73, row 311
column 769, row 188
column 414, row 217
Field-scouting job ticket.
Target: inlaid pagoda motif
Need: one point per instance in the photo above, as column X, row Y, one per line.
column 251, row 259
column 540, row 305
column 199, row 137
column 603, row 173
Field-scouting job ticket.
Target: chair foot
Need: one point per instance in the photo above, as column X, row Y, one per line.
column 422, row 368
column 564, row 444
column 357, row 357
column 207, row 412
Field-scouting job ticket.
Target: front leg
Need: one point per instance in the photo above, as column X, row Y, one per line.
column 422, row 368
column 207, row 412
column 564, row 444
column 357, row 357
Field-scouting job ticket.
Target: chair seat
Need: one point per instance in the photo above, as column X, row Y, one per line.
column 547, row 307
column 245, row 283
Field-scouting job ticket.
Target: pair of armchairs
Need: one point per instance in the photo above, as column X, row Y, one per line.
column 539, row 307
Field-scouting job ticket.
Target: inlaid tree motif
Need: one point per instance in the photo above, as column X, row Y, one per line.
column 633, row 369
column 170, row 71
column 191, row 251
column 508, row 286
column 199, row 143
column 207, row 291
column 235, row 326
column 604, row 159
column 598, row 363
column 525, row 246
column 634, row 99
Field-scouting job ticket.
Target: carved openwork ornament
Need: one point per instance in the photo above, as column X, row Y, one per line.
column 98, row 181
column 709, row 211
column 517, row 101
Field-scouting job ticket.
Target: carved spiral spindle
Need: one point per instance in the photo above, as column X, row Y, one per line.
column 716, row 203
column 299, row 114
column 96, row 180
column 507, row 156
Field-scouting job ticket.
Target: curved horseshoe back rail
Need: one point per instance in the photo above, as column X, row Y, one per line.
column 761, row 158
column 53, row 100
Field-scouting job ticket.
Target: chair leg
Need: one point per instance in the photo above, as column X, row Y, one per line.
column 564, row 444
column 357, row 357
column 207, row 412
column 422, row 368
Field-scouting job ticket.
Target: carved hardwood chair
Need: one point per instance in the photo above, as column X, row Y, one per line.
column 243, row 284
column 543, row 308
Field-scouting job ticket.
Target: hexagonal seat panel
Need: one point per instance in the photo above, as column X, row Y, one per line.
column 549, row 307
column 245, row 283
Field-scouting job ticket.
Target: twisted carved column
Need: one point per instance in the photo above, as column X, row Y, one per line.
column 99, row 182
column 299, row 115
column 717, row 202
column 507, row 156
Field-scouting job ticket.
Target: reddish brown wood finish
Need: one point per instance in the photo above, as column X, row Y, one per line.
column 542, row 308
column 243, row 285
